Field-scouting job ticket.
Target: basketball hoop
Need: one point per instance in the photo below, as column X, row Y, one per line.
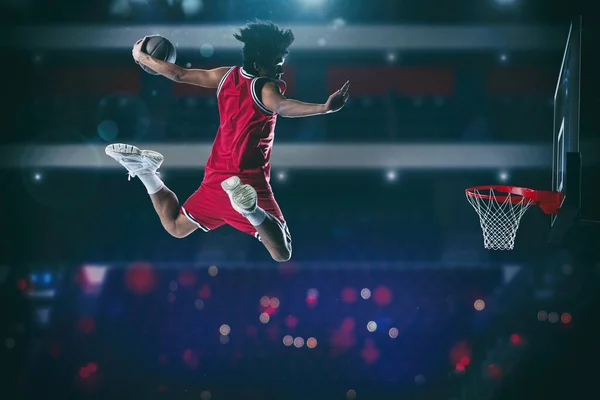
column 500, row 215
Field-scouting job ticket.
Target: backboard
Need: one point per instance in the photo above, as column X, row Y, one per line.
column 566, row 164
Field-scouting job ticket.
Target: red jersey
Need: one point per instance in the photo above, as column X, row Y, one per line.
column 245, row 136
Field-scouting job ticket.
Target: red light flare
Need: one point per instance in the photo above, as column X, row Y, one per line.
column 186, row 278
column 516, row 339
column 204, row 292
column 291, row 321
column 269, row 310
column 349, row 295
column 494, row 371
column 86, row 324
column 348, row 324
column 140, row 278
column 382, row 295
column 369, row 353
column 191, row 359
column 458, row 351
column 22, row 284
column 88, row 370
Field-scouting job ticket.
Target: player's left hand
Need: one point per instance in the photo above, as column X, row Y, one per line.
column 137, row 49
column 338, row 99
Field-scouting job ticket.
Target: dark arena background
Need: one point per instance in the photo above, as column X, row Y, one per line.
column 390, row 293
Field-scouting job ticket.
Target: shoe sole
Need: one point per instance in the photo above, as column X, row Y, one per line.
column 121, row 149
column 243, row 196
column 118, row 150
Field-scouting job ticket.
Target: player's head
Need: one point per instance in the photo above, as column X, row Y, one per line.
column 265, row 47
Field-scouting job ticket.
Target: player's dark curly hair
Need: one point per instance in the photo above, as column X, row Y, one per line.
column 263, row 42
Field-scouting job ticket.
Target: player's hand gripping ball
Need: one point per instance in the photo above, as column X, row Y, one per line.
column 155, row 46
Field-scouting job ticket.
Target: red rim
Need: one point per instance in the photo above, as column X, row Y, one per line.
column 548, row 201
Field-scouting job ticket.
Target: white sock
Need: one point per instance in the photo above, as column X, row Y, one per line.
column 152, row 182
column 256, row 217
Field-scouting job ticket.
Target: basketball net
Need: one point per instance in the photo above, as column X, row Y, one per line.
column 499, row 220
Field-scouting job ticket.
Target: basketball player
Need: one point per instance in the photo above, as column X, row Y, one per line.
column 235, row 189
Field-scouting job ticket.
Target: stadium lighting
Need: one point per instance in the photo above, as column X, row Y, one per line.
column 312, row 3
column 391, row 175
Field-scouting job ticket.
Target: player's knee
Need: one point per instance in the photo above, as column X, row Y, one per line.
column 176, row 234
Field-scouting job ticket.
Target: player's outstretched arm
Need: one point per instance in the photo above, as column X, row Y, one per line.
column 277, row 102
column 208, row 78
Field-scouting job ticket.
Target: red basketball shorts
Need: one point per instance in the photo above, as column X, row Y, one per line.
column 209, row 207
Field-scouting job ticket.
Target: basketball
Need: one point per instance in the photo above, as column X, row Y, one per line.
column 159, row 48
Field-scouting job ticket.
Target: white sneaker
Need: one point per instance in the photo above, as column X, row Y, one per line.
column 136, row 161
column 243, row 197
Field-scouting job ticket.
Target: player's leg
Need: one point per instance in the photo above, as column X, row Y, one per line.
column 276, row 237
column 144, row 164
column 273, row 233
column 167, row 207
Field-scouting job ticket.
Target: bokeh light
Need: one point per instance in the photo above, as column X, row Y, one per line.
column 516, row 339
column 186, row 278
column 171, row 297
column 494, row 371
column 351, row 394
column 566, row 318
column 207, row 50
column 108, row 130
column 274, row 302
column 365, row 293
column 349, row 295
column 204, row 292
column 372, row 326
column 224, row 329
column 369, row 353
column 553, row 317
column 213, row 270
column 542, row 315
column 205, row 395
column 312, row 296
column 298, row 342
column 382, row 295
column 264, row 318
column 265, row 301
column 393, row 332
column 348, row 324
column 140, row 278
column 460, row 350
column 288, row 340
column 311, row 343
column 479, row 305
column 291, row 321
